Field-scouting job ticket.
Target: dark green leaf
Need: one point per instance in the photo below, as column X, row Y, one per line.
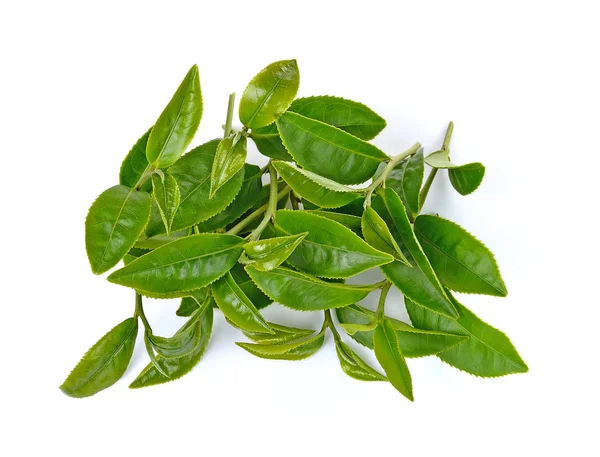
column 376, row 232
column 114, row 222
column 466, row 178
column 167, row 196
column 177, row 124
column 351, row 222
column 104, row 363
column 268, row 254
column 194, row 300
column 293, row 350
column 184, row 341
column 229, row 159
column 135, row 163
column 269, row 143
column 406, row 179
column 353, row 365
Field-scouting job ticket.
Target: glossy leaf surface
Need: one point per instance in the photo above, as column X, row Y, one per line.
column 229, row 159
column 488, row 352
column 347, row 220
column 303, row 292
column 256, row 296
column 327, row 150
column 466, row 178
column 406, row 179
column 104, row 363
column 293, row 350
column 353, row 365
column 269, row 94
column 269, row 143
column 177, row 124
column 461, row 261
column 281, row 334
column 312, row 187
column 184, row 341
column 193, row 301
column 114, row 222
column 236, row 306
column 388, row 353
column 376, row 232
column 330, row 249
column 186, row 264
column 267, row 254
column 419, row 283
column 167, row 196
column 135, row 163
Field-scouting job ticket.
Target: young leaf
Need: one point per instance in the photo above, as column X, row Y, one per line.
column 376, row 232
column 114, row 222
column 312, row 187
column 237, row 307
column 248, row 195
column 347, row 220
column 353, row 117
column 269, row 143
column 177, row 124
column 294, row 350
column 186, row 264
column 388, row 353
column 352, row 328
column 229, row 159
column 179, row 366
column 419, row 283
column 466, row 178
column 329, row 250
column 183, row 342
column 268, row 254
column 256, row 296
column 104, row 363
column 461, row 261
column 487, row 353
column 353, row 365
column 406, row 179
column 327, row 150
column 282, row 334
column 305, row 293
column 167, row 196
column 269, row 94
column 151, row 354
column 194, row 300
column 135, row 163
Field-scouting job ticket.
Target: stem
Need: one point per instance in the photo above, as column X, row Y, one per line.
column 329, row 323
column 381, row 306
column 449, row 131
column 433, row 172
column 144, row 177
column 139, row 312
column 229, row 120
column 244, row 222
column 271, row 207
column 294, row 200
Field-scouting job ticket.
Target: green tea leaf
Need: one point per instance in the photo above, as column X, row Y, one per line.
column 327, row 150
column 236, row 306
column 104, row 363
column 461, row 261
column 177, row 124
column 229, row 159
column 353, row 365
column 406, row 179
column 269, row 94
column 419, row 283
column 269, row 143
column 376, row 232
column 256, row 296
column 293, row 350
column 183, row 342
column 466, row 178
column 330, row 249
column 347, row 220
column 167, row 196
column 303, row 292
column 312, row 187
column 268, row 254
column 186, row 264
column 135, row 163
column 194, row 300
column 388, row 353
column 282, row 334
column 487, row 353
column 353, row 117
column 352, row 328
column 179, row 366
column 248, row 195
column 114, row 222
column 133, row 254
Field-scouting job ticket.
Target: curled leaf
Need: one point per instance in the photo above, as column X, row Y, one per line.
column 229, row 159
column 353, row 365
column 269, row 253
column 293, row 350
column 167, row 196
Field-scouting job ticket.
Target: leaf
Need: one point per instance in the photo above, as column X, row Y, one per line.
column 413, row 341
column 183, row 342
column 303, row 292
column 269, row 94
column 352, row 329
column 151, row 354
column 330, row 249
column 294, row 350
column 133, row 254
column 388, row 353
column 236, row 306
column 186, row 264
column 244, row 200
column 177, row 367
column 353, row 117
column 104, row 363
column 461, row 261
column 351, row 222
column 466, row 178
column 282, row 334
column 192, row 173
column 376, row 232
column 193, row 301
column 353, row 365
column 406, row 179
column 487, row 353
column 269, row 143
column 177, row 124
column 268, row 254
column 327, row 150
column 114, row 222
column 312, row 187
column 135, row 163
column 419, row 283
column 229, row 159
column 256, row 296
column 167, row 196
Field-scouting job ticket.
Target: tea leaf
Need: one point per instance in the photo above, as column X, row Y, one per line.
column 177, row 124
column 229, row 159
column 167, row 196
column 268, row 254
column 350, row 222
column 269, row 143
column 256, row 296
column 406, row 179
column 294, row 350
column 376, row 232
column 135, row 163
column 353, row 365
column 183, row 342
column 282, row 334
column 466, row 178
column 194, row 300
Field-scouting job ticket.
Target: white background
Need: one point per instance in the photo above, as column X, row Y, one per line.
column 81, row 81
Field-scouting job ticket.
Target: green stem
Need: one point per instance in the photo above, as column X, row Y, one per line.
column 146, row 175
column 254, row 215
column 380, row 181
column 448, row 136
column 329, row 323
column 433, row 172
column 272, row 205
column 381, row 306
column 139, row 312
column 294, row 200
column 229, row 120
